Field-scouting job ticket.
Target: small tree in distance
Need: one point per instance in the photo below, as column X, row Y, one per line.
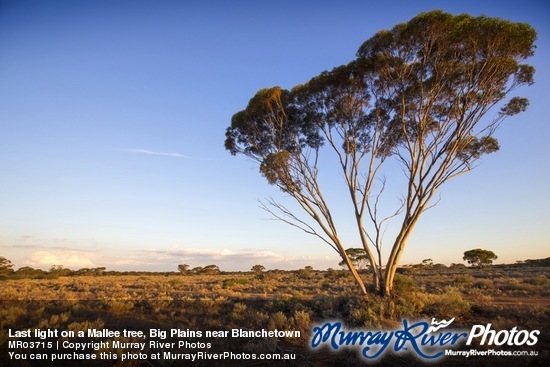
column 183, row 268
column 479, row 257
column 6, row 266
column 211, row 269
column 258, row 269
column 358, row 257
column 427, row 263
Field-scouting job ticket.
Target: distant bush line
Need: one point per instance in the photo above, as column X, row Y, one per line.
column 60, row 271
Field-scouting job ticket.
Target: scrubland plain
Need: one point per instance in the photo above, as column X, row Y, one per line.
column 505, row 296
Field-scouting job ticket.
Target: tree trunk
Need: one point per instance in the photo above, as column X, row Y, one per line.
column 397, row 250
column 355, row 274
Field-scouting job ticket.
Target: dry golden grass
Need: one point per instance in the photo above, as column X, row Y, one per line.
column 273, row 300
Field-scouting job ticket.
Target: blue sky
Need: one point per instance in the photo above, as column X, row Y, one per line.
column 113, row 116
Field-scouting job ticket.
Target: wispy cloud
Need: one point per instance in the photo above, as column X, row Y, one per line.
column 241, row 259
column 152, row 152
column 223, row 255
column 238, row 259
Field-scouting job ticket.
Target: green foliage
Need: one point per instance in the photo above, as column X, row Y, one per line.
column 276, row 169
column 409, row 301
column 232, row 282
column 302, row 322
column 258, row 269
column 278, row 321
column 120, row 307
column 305, row 273
column 28, row 272
column 427, row 263
column 536, row 262
column 479, row 257
column 183, row 268
column 484, row 284
column 465, row 279
column 60, row 271
column 455, row 266
column 404, row 285
column 25, row 271
column 449, row 304
column 238, row 311
column 358, row 257
column 336, row 274
column 211, row 269
column 541, row 280
column 197, row 270
column 367, row 315
column 6, row 267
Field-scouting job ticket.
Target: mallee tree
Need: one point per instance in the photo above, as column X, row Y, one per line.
column 479, row 257
column 6, row 266
column 358, row 257
column 416, row 96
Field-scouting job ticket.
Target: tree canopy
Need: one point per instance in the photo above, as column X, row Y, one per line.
column 479, row 257
column 6, row 266
column 183, row 268
column 358, row 257
column 258, row 269
column 417, row 95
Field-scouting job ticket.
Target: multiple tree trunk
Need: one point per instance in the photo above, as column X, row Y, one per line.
column 417, row 96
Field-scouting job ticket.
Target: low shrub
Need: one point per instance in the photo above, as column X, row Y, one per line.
column 232, row 282
column 465, row 279
column 449, row 304
column 540, row 280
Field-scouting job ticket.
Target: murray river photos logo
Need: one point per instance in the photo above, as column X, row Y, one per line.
column 427, row 340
